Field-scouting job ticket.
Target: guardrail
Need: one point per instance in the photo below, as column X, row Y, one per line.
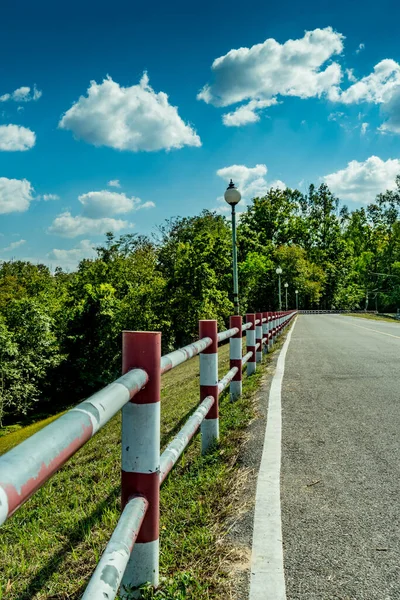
column 131, row 557
column 335, row 312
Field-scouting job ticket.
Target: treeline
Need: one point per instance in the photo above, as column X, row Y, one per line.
column 60, row 333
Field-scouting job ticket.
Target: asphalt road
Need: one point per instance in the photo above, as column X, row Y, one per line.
column 340, row 477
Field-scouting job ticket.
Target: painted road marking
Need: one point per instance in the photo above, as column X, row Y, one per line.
column 267, row 573
column 376, row 330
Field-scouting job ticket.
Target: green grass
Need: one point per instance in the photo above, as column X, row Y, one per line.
column 50, row 547
column 15, row 434
column 371, row 317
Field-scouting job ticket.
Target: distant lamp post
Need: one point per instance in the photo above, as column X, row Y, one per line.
column 286, row 286
column 279, row 273
column 232, row 196
column 297, row 299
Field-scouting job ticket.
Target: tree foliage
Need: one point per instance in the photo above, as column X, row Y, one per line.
column 60, row 333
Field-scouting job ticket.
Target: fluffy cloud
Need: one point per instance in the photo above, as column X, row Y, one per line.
column 22, row 94
column 364, row 127
column 14, row 245
column 362, row 181
column 247, row 113
column 47, row 197
column 250, row 181
column 269, row 69
column 15, row 138
column 15, row 195
column 391, row 113
column 69, row 259
column 114, row 183
column 377, row 87
column 65, row 225
column 103, row 203
column 133, row 118
column 97, row 210
column 360, row 48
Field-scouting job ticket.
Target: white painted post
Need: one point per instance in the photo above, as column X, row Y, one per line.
column 235, row 355
column 259, row 337
column 251, row 343
column 141, row 456
column 209, row 383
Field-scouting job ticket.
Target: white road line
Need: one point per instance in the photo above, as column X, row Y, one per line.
column 267, row 573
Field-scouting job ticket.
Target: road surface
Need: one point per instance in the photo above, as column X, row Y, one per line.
column 340, row 471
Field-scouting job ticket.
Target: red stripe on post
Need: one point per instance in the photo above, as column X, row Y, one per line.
column 148, row 486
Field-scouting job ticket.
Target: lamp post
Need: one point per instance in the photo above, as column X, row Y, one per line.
column 297, row 299
column 232, row 196
column 286, row 287
column 279, row 273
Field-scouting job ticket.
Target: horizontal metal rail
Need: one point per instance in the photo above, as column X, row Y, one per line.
column 173, row 359
column 257, row 345
column 107, row 577
column 247, row 326
column 264, row 319
column 257, row 321
column 175, row 448
column 224, row 335
column 25, row 468
column 247, row 357
column 225, row 381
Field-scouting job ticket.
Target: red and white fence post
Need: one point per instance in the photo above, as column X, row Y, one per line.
column 235, row 355
column 251, row 343
column 259, row 337
column 209, row 383
column 141, row 454
column 265, row 331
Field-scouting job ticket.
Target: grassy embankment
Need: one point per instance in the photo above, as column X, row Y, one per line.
column 50, row 547
column 371, row 317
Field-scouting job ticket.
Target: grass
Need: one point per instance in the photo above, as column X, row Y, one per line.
column 15, row 434
column 371, row 317
column 50, row 547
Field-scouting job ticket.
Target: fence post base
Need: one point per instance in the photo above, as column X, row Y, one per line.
column 143, row 565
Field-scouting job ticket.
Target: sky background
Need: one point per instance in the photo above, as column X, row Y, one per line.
column 166, row 150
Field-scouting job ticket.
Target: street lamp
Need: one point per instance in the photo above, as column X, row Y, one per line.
column 279, row 273
column 232, row 196
column 297, row 299
column 286, row 286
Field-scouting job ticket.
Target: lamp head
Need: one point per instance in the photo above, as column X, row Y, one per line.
column 232, row 195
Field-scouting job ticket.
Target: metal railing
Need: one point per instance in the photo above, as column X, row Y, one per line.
column 131, row 557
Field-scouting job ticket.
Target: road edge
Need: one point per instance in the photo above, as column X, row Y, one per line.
column 267, row 579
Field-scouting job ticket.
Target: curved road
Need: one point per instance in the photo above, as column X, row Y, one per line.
column 340, row 475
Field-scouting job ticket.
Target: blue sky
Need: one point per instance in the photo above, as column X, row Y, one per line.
column 324, row 105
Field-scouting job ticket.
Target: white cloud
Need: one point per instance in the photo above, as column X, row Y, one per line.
column 335, row 116
column 360, row 48
column 114, row 183
column 377, row 87
column 15, row 138
column 47, row 197
column 15, row 195
column 105, row 203
column 22, row 94
column 250, row 181
column 69, row 259
column 68, row 226
column 382, row 86
column 133, row 118
column 391, row 113
column 269, row 69
column 247, row 113
column 350, row 75
column 362, row 181
column 14, row 245
column 364, row 127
